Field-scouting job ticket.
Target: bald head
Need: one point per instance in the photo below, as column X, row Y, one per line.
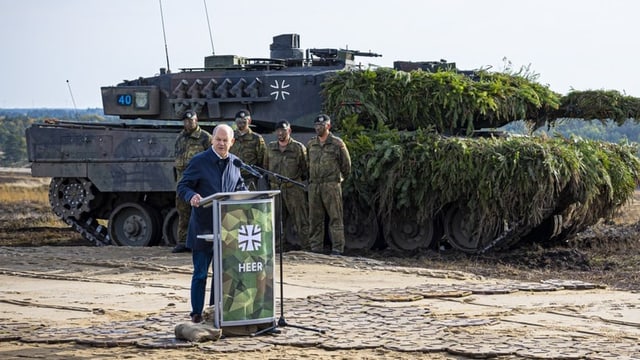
column 222, row 139
column 223, row 127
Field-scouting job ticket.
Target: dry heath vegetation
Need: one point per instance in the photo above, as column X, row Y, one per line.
column 25, row 215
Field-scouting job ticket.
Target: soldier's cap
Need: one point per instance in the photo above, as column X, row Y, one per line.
column 283, row 124
column 321, row 119
column 190, row 115
column 243, row 115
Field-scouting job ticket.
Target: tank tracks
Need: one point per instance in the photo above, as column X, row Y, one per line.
column 90, row 230
column 69, row 199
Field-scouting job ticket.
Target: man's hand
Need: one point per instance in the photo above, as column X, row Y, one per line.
column 195, row 200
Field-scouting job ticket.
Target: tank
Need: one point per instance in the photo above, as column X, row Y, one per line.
column 115, row 184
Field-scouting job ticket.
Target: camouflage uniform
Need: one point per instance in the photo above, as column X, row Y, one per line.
column 329, row 164
column 291, row 162
column 187, row 145
column 250, row 148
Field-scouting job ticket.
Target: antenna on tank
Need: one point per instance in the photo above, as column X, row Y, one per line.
column 213, row 52
column 72, row 99
column 164, row 35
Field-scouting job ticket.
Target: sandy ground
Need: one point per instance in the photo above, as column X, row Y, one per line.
column 124, row 303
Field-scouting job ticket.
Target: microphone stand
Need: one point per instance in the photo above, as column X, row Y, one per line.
column 282, row 322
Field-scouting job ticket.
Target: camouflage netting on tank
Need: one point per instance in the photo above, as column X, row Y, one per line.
column 519, row 181
column 391, row 119
column 598, row 105
column 452, row 102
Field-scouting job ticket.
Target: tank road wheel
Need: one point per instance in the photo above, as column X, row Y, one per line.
column 459, row 230
column 70, row 197
column 360, row 226
column 133, row 224
column 170, row 228
column 403, row 232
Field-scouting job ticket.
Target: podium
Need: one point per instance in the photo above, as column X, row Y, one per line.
column 243, row 257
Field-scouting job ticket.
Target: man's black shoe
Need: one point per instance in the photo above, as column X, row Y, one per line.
column 180, row 248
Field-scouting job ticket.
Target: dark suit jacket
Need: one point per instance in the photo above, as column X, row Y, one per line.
column 203, row 175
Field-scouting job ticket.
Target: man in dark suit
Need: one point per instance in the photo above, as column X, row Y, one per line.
column 209, row 172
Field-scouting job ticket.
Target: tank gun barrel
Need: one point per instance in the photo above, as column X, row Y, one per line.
column 341, row 53
column 363, row 53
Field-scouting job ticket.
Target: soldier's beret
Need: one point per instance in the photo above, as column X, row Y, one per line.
column 321, row 119
column 190, row 115
column 243, row 114
column 283, row 124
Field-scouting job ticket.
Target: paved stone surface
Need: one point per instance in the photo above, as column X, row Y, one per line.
column 350, row 322
column 400, row 309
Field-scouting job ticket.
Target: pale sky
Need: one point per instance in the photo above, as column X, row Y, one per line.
column 571, row 44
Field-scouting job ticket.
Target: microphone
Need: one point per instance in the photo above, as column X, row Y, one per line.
column 247, row 168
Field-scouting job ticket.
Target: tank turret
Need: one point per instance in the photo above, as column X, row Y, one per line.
column 286, row 85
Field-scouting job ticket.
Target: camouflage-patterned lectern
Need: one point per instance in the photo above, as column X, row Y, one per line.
column 243, row 257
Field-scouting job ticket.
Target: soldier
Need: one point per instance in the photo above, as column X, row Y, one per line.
column 249, row 147
column 190, row 141
column 329, row 165
column 288, row 157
